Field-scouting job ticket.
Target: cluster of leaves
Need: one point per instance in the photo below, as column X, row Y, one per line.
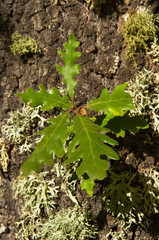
column 23, row 45
column 90, row 142
column 144, row 91
column 130, row 197
column 95, row 3
column 139, row 31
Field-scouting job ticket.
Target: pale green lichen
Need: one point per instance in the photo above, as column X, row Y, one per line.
column 23, row 45
column 37, row 192
column 117, row 235
column 115, row 66
column 121, row 226
column 130, row 197
column 154, row 51
column 37, row 220
column 39, row 198
column 73, row 223
column 144, row 91
column 4, row 158
column 152, row 173
column 139, row 31
column 18, row 127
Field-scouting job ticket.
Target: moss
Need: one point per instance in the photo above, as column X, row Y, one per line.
column 23, row 45
column 139, row 31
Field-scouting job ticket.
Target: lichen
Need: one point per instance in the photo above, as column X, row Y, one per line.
column 37, row 192
column 139, row 31
column 115, row 66
column 154, row 51
column 95, row 3
column 38, row 221
column 73, row 223
column 117, row 235
column 4, row 158
column 152, row 173
column 39, row 198
column 130, row 197
column 18, row 127
column 23, row 45
column 144, row 91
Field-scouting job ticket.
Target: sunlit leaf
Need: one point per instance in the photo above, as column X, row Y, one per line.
column 89, row 144
column 70, row 70
column 47, row 100
column 52, row 142
column 88, row 185
column 114, row 103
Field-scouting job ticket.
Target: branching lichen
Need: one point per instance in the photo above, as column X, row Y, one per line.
column 152, row 173
column 95, row 3
column 154, row 51
column 144, row 91
column 130, row 197
column 38, row 195
column 72, row 223
column 17, row 128
column 117, row 235
column 37, row 192
column 139, row 31
column 37, row 220
column 23, row 45
column 4, row 158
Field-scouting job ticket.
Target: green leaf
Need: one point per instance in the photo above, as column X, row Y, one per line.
column 52, row 142
column 48, row 100
column 118, row 125
column 89, row 145
column 70, row 70
column 88, row 185
column 114, row 103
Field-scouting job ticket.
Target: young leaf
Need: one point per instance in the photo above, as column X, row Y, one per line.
column 88, row 185
column 114, row 103
column 89, row 144
column 70, row 70
column 48, row 100
column 52, row 142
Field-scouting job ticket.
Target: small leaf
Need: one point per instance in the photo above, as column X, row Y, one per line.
column 70, row 70
column 48, row 100
column 88, row 185
column 52, row 142
column 89, row 144
column 113, row 103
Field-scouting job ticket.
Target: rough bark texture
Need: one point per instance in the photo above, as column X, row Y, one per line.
column 101, row 41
